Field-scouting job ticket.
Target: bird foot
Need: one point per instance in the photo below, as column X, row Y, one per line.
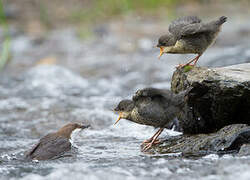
column 150, row 144
column 147, row 141
column 184, row 65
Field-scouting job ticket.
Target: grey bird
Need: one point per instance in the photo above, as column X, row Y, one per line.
column 153, row 107
column 54, row 145
column 188, row 35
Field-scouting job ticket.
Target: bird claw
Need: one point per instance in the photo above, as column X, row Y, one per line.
column 157, row 141
column 149, row 144
column 147, row 141
column 179, row 66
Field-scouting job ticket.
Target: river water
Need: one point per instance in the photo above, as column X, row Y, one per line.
column 59, row 79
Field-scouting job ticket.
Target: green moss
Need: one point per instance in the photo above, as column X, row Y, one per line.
column 187, row 68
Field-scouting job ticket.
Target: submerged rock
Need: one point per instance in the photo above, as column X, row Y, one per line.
column 227, row 139
column 220, row 96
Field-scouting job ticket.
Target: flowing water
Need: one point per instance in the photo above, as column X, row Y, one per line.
column 61, row 79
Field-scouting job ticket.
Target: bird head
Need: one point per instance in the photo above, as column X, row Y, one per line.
column 124, row 109
column 66, row 130
column 165, row 43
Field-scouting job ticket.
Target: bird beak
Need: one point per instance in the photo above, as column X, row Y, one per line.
column 161, row 52
column 119, row 118
column 84, row 127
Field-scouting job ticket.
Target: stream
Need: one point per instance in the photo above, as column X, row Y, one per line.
column 57, row 79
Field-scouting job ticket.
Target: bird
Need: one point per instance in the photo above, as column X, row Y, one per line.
column 54, row 145
column 151, row 106
column 188, row 35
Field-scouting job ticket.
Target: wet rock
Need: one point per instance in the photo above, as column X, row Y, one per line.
column 220, row 96
column 244, row 150
column 228, row 139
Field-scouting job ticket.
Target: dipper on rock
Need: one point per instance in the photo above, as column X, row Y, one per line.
column 188, row 35
column 153, row 107
column 53, row 145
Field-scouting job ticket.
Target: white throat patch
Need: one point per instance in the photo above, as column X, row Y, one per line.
column 74, row 134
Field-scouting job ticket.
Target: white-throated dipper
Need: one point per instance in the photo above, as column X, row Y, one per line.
column 188, row 35
column 54, row 145
column 153, row 107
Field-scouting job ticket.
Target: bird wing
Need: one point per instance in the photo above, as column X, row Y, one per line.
column 57, row 147
column 29, row 153
column 152, row 103
column 153, row 93
column 192, row 29
column 49, row 147
column 157, row 111
column 177, row 25
column 153, row 110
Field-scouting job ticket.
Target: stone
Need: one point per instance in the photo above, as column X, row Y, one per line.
column 219, row 97
column 227, row 140
column 245, row 150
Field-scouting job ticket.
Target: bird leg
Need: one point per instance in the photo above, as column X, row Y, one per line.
column 150, row 139
column 189, row 62
column 154, row 141
column 196, row 59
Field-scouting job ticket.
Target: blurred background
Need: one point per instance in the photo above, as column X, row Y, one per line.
column 127, row 26
column 74, row 60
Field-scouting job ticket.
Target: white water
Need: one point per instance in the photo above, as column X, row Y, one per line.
column 87, row 82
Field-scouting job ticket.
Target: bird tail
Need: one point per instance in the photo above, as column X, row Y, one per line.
column 221, row 20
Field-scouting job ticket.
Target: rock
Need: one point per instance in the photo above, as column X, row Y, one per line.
column 228, row 139
column 244, row 150
column 219, row 97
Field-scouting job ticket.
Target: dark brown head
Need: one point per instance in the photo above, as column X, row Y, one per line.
column 164, row 41
column 124, row 109
column 66, row 130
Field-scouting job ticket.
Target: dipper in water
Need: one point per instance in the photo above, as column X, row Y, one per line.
column 188, row 35
column 153, row 107
column 54, row 145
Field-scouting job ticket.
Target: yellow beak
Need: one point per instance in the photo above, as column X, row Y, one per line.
column 119, row 118
column 161, row 52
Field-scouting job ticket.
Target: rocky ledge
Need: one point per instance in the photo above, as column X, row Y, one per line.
column 227, row 140
column 216, row 115
column 219, row 97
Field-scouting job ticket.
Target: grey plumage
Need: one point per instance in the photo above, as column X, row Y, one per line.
column 189, row 35
column 180, row 23
column 151, row 106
